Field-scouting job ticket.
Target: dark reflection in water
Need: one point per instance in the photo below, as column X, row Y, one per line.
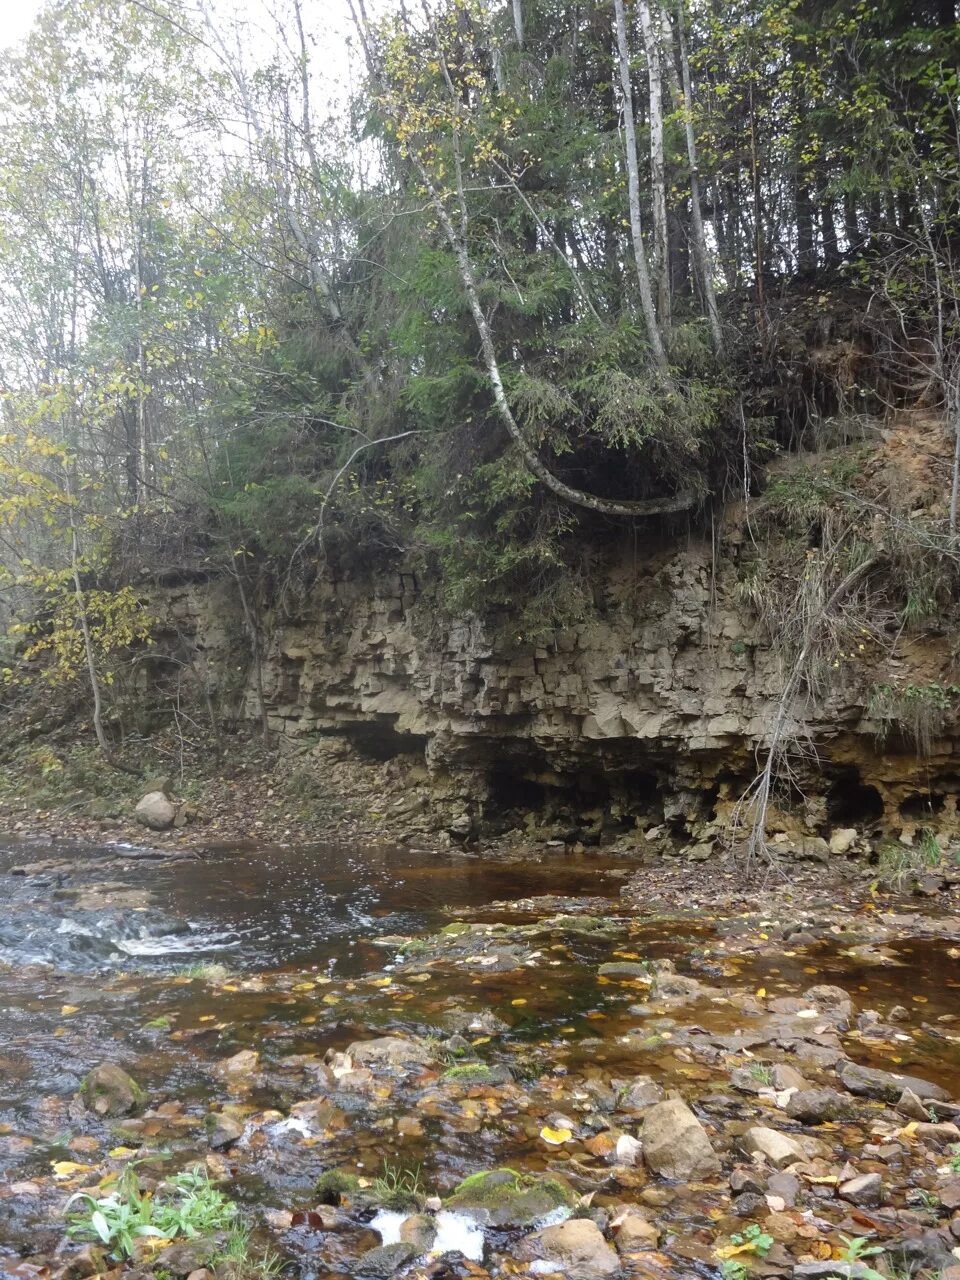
column 261, row 907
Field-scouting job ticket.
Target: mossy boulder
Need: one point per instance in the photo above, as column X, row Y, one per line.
column 505, row 1198
column 109, row 1091
column 335, row 1185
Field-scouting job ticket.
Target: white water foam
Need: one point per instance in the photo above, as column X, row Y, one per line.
column 456, row 1233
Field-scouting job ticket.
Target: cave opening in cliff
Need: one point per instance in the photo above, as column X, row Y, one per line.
column 587, row 806
column 377, row 740
column 924, row 804
column 512, row 792
column 853, row 802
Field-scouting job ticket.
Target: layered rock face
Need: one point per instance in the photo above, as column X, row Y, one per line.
column 654, row 706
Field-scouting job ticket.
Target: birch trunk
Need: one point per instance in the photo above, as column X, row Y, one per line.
column 701, row 253
column 633, row 188
column 651, row 27
column 518, row 22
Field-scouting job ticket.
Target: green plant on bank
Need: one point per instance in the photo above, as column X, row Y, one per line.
column 753, row 1239
column 855, row 1249
column 897, row 863
column 762, row 1073
column 238, row 1251
column 467, row 1073
column 185, row 1206
column 955, row 1159
column 399, row 1188
column 731, row 1269
column 917, row 710
column 924, row 1198
column 928, row 847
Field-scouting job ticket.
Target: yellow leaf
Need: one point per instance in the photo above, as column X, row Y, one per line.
column 519, row 1000
column 67, row 1009
column 66, row 1168
column 331, row 999
column 122, row 1153
column 555, row 1137
column 381, row 982
column 761, row 992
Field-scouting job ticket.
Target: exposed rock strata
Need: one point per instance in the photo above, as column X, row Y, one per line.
column 653, row 707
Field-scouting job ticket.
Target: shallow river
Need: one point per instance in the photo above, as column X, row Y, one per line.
column 105, row 954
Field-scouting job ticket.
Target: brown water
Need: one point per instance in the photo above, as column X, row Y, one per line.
column 98, row 948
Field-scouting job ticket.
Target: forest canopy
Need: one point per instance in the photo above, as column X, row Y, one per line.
column 547, row 266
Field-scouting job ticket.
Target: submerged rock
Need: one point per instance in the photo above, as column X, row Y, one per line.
column 109, row 1091
column 887, row 1085
column 391, row 1051
column 817, row 1106
column 386, row 1259
column 222, row 1130
column 675, row 1143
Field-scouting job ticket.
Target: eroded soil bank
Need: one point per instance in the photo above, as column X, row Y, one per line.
column 450, row 1065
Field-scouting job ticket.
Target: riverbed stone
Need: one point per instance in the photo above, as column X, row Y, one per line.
column 887, row 1086
column 503, row 1198
column 419, row 1230
column 642, row 1092
column 222, row 1130
column 391, row 1051
column 776, row 1148
column 633, row 1232
column 865, row 1191
column 817, row 1106
column 577, row 1247
column 385, row 1259
column 625, row 969
column 937, row 1135
column 786, row 1186
column 833, row 1002
column 185, row 1256
column 156, row 811
column 675, row 1143
column 109, row 1091
column 82, row 1263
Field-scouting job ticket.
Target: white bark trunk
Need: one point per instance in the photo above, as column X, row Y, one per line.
column 702, row 255
column 633, row 189
column 518, row 22
column 651, row 25
column 531, row 459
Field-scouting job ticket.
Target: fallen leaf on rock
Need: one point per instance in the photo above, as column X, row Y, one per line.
column 67, row 1168
column 67, row 1009
column 555, row 1137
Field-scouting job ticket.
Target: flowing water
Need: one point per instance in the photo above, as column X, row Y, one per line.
column 106, row 955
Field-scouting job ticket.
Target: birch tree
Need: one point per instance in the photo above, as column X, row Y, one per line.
column 654, row 333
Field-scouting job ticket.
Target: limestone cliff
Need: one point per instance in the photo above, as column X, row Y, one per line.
column 652, row 712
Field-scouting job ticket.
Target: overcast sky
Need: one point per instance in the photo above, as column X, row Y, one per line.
column 16, row 16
